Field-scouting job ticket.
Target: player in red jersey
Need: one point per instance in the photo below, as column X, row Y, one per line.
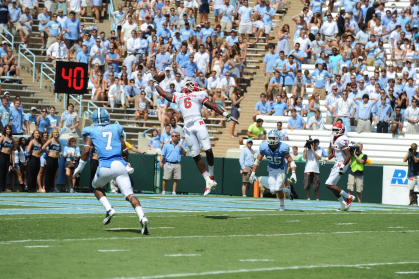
column 340, row 148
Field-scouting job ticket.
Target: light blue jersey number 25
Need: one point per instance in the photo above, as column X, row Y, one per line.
column 274, row 160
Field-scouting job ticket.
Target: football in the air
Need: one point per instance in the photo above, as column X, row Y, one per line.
column 159, row 76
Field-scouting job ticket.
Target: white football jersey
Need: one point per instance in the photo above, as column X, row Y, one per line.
column 338, row 145
column 190, row 104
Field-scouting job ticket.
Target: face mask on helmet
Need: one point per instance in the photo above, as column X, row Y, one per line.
column 273, row 140
column 190, row 87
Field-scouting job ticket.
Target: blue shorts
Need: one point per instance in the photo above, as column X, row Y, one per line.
column 216, row 12
column 378, row 63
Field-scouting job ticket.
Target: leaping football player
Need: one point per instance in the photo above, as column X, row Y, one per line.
column 340, row 148
column 278, row 155
column 190, row 102
column 109, row 144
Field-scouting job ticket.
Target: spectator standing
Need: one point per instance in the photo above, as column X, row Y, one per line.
column 72, row 30
column 14, row 14
column 4, row 17
column 43, row 19
column 268, row 64
column 163, row 60
column 320, row 75
column 118, row 18
column 396, row 122
column 170, row 158
column 383, row 116
column 74, row 6
column 227, row 13
column 30, row 118
column 312, row 156
column 247, row 158
column 412, row 117
column 116, row 94
column 201, row 58
column 97, row 54
column 58, row 51
column 262, row 107
column 52, row 120
column 69, row 120
column 52, row 29
column 329, row 29
column 166, row 136
column 113, row 58
column 289, row 71
column 17, row 119
column 255, row 131
column 342, row 109
column 412, row 159
column 6, row 116
column 296, row 122
column 126, row 30
column 174, row 127
column 330, row 105
column 356, row 172
column 71, row 155
column 245, row 25
column 26, row 22
column 132, row 93
column 364, row 114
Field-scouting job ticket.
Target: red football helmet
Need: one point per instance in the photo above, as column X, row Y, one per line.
column 189, row 87
column 338, row 129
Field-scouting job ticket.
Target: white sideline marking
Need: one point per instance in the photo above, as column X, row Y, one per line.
column 105, row 251
column 182, row 255
column 261, row 269
column 256, row 260
column 121, row 229
column 242, row 218
column 292, row 221
column 40, row 246
column 395, row 227
column 200, row 236
column 407, row 272
column 343, row 224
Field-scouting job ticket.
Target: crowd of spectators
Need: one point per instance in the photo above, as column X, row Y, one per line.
column 378, row 35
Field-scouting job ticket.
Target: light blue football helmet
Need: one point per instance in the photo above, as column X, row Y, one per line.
column 273, row 137
column 101, row 117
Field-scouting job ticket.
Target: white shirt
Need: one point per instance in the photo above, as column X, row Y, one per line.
column 61, row 21
column 411, row 113
column 145, row 25
column 343, row 108
column 113, row 90
column 99, row 58
column 127, row 29
column 75, row 5
column 57, row 50
column 224, row 82
column 213, row 82
column 201, row 59
column 304, row 44
column 329, row 28
column 395, row 35
column 320, row 122
column 178, row 85
column 312, row 164
column 133, row 44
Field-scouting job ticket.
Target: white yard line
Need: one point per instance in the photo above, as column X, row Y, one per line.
column 216, row 272
column 105, row 251
column 40, row 246
column 201, row 236
column 344, row 224
column 182, row 255
column 256, row 260
column 407, row 272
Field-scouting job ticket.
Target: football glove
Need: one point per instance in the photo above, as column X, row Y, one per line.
column 294, row 176
column 77, row 172
column 129, row 169
column 252, row 177
column 324, row 162
column 230, row 118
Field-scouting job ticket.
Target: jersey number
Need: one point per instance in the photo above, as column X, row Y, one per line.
column 274, row 160
column 109, row 136
column 187, row 103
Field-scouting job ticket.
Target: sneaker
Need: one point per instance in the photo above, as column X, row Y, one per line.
column 342, row 206
column 174, row 193
column 349, row 201
column 71, row 190
column 114, row 188
column 211, row 184
column 282, row 208
column 144, row 226
column 291, row 194
column 56, row 190
column 109, row 214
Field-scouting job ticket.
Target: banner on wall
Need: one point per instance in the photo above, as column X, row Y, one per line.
column 395, row 185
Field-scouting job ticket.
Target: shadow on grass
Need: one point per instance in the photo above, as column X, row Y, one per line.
column 132, row 230
column 220, row 217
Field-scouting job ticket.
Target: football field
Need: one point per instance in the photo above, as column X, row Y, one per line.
column 62, row 236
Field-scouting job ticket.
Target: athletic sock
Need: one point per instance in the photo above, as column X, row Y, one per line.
column 344, row 194
column 140, row 212
column 211, row 170
column 104, row 201
column 205, row 175
column 281, row 202
column 341, row 199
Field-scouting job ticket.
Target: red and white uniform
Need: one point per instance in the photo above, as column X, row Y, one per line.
column 196, row 133
column 338, row 146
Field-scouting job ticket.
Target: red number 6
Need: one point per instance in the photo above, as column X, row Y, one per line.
column 187, row 103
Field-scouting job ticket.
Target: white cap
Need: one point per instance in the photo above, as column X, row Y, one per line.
column 33, row 108
column 365, row 73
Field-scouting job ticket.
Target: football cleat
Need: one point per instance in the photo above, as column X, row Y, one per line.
column 290, row 193
column 342, row 206
column 349, row 201
column 144, row 226
column 282, row 208
column 211, row 184
column 109, row 214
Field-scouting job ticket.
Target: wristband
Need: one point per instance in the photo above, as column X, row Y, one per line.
column 225, row 114
column 214, row 107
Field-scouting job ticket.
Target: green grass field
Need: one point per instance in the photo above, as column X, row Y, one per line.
column 190, row 238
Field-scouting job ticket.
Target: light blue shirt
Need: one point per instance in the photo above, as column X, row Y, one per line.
column 206, row 33
column 155, row 142
column 162, row 32
column 165, row 138
column 74, row 27
column 6, row 115
column 160, row 58
column 185, row 33
column 320, row 78
column 43, row 18
column 172, row 152
column 247, row 158
column 296, row 123
column 231, row 40
column 226, row 17
column 263, row 108
column 83, row 57
column 54, row 28
column 270, row 61
column 15, row 13
column 245, row 14
column 17, row 118
column 52, row 121
column 182, row 58
column 364, row 110
column 189, row 68
column 265, row 12
column 279, row 63
column 279, row 108
column 370, row 54
column 385, row 112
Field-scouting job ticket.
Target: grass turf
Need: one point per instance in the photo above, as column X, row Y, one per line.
column 219, row 244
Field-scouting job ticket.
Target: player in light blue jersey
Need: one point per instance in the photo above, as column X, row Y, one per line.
column 278, row 154
column 109, row 145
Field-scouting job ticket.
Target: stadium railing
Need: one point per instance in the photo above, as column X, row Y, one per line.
column 32, row 62
column 4, row 30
